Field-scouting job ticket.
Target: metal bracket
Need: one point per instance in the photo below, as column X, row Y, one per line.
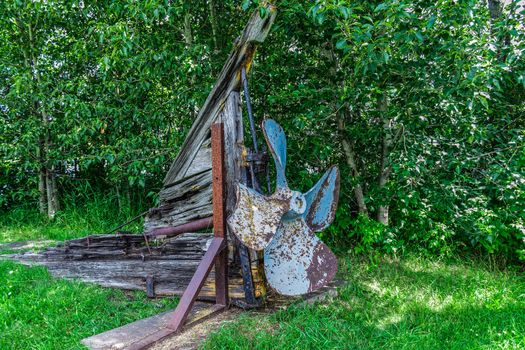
column 150, row 287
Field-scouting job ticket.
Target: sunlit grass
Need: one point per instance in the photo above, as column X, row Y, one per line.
column 414, row 303
column 411, row 303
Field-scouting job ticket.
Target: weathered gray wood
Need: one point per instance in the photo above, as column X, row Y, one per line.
column 185, row 197
column 254, row 33
column 187, row 186
column 135, row 332
column 183, row 201
column 202, row 160
column 124, row 261
column 233, row 140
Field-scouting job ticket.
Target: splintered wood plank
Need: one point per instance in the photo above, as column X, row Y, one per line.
column 185, row 200
column 138, row 334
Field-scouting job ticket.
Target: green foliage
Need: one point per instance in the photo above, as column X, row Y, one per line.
column 39, row 312
column 421, row 105
column 449, row 77
column 417, row 303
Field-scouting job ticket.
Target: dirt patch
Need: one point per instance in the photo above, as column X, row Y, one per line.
column 195, row 335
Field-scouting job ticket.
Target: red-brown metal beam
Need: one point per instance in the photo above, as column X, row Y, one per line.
column 197, row 281
column 217, row 252
column 219, row 211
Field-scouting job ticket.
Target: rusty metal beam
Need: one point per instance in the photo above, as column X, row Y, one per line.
column 217, row 253
column 219, row 211
column 192, row 226
column 197, row 281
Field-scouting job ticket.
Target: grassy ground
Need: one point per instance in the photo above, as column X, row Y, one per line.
column 416, row 303
column 39, row 312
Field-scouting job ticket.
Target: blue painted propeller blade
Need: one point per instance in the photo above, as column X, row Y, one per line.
column 276, row 140
column 321, row 201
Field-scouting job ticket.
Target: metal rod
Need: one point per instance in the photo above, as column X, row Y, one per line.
column 127, row 222
column 249, row 109
column 192, row 226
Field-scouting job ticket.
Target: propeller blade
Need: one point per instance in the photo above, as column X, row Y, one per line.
column 296, row 261
column 257, row 217
column 276, row 140
column 321, row 201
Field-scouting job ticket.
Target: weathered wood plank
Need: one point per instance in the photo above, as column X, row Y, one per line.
column 241, row 56
column 233, row 139
column 183, row 201
column 136, row 332
column 187, row 187
column 202, row 160
column 125, row 261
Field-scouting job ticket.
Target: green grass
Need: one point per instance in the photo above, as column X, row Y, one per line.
column 412, row 303
column 40, row 312
column 415, row 303
column 96, row 214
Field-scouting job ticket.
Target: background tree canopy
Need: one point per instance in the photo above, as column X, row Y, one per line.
column 421, row 105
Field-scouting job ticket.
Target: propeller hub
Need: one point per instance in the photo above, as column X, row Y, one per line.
column 297, row 205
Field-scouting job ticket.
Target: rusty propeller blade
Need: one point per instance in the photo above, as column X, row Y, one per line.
column 296, row 261
column 256, row 217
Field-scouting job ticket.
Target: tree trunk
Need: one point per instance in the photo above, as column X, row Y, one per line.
column 496, row 12
column 188, row 36
column 48, row 194
column 213, row 21
column 351, row 161
column 385, row 168
column 52, row 193
column 495, row 8
column 42, row 202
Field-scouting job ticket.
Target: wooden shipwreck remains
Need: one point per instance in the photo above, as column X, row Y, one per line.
column 125, row 261
column 165, row 266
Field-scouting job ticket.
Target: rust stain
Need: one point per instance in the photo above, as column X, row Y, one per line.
column 322, row 268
